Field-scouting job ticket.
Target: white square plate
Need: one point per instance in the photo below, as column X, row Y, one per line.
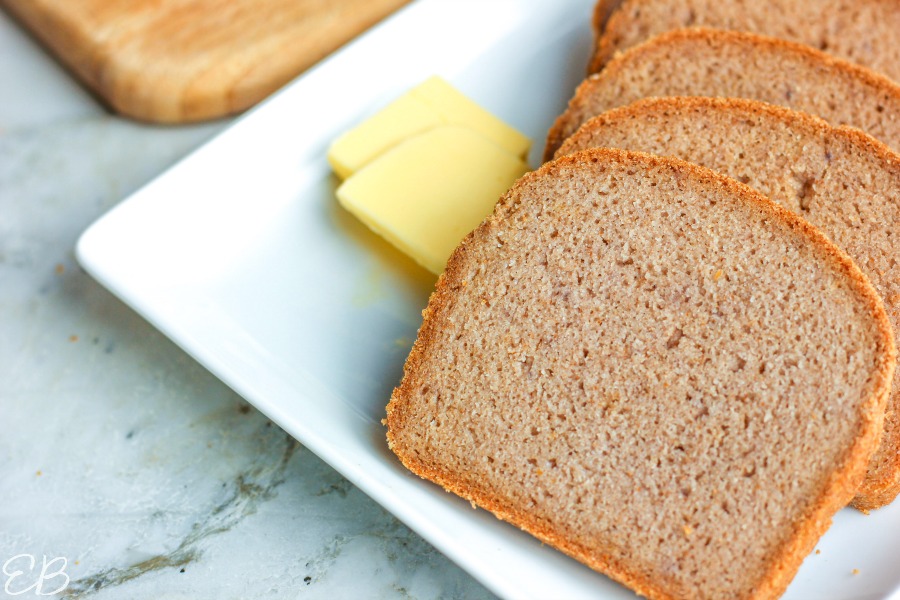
column 241, row 256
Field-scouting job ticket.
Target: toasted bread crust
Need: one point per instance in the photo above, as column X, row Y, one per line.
column 840, row 92
column 835, row 492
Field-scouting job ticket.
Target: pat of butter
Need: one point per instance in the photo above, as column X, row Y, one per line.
column 425, row 194
column 434, row 102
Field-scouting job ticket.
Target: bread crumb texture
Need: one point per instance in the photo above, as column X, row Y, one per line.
column 652, row 368
column 839, row 179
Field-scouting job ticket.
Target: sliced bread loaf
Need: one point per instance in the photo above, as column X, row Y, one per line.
column 861, row 31
column 839, row 179
column 653, row 368
column 706, row 62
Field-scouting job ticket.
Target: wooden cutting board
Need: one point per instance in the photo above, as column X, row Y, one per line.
column 176, row 61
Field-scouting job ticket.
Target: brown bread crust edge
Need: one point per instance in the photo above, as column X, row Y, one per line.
column 603, row 10
column 837, row 491
column 875, row 491
column 564, row 125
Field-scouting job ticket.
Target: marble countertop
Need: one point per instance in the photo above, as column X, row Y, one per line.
column 126, row 469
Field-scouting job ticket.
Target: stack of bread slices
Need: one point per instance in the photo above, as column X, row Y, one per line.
column 670, row 350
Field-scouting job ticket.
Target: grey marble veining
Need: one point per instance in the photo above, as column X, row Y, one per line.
column 123, row 456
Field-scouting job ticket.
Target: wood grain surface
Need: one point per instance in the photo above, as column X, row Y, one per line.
column 175, row 61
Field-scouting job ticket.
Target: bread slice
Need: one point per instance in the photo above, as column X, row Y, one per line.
column 706, row 62
column 861, row 31
column 839, row 179
column 653, row 368
column 603, row 10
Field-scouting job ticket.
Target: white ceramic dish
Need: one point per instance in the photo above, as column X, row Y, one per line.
column 241, row 255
